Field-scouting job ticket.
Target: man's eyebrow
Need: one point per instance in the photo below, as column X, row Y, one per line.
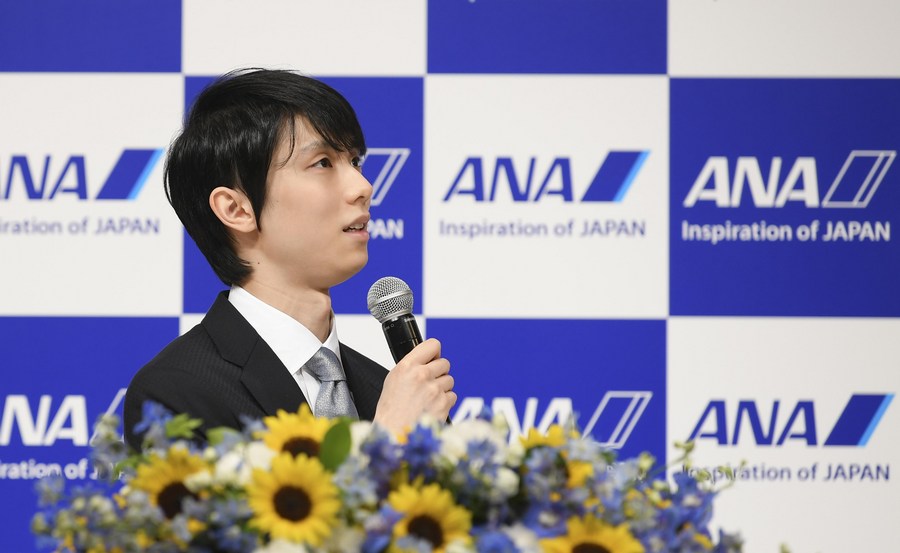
column 315, row 145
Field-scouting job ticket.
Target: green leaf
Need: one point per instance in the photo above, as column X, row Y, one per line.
column 335, row 445
column 182, row 426
column 217, row 435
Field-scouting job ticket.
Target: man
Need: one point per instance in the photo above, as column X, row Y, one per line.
column 266, row 178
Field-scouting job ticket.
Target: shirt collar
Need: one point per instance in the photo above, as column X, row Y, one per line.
column 293, row 343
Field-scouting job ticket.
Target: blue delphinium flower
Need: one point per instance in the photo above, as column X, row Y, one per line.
column 358, row 490
column 414, row 544
column 728, row 543
column 108, row 448
column 494, row 541
column 153, row 424
column 693, row 505
column 478, row 484
column 486, row 413
column 50, row 489
column 152, row 414
column 139, row 512
column 421, row 447
column 682, row 525
column 542, row 476
column 225, row 518
column 546, row 519
column 384, row 458
column 251, row 426
column 379, row 529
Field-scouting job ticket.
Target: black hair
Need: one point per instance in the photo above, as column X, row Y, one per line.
column 229, row 139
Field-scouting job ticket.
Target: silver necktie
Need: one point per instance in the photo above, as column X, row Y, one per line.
column 334, row 395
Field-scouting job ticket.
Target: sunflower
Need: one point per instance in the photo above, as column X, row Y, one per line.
column 296, row 433
column 295, row 501
column 578, row 472
column 163, row 478
column 430, row 514
column 555, row 437
column 590, row 535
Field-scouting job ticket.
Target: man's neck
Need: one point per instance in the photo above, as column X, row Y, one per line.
column 311, row 308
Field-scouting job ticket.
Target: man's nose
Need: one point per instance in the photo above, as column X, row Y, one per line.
column 359, row 187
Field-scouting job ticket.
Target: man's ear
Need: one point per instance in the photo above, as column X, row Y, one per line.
column 233, row 208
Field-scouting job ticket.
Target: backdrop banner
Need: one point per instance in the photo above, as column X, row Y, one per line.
column 671, row 220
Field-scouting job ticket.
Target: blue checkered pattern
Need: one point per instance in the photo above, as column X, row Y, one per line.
column 672, row 220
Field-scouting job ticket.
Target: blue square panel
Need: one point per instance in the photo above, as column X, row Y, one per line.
column 783, row 195
column 390, row 113
column 546, row 36
column 610, row 374
column 96, row 36
column 59, row 376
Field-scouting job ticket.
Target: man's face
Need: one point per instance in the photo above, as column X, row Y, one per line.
column 313, row 225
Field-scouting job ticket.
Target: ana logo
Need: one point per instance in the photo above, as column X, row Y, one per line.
column 388, row 162
column 50, row 178
column 853, row 428
column 611, row 423
column 534, row 180
column 69, row 420
column 854, row 185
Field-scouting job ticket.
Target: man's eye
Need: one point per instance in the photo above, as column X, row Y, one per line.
column 357, row 161
column 324, row 162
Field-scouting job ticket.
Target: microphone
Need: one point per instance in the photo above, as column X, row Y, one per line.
column 391, row 302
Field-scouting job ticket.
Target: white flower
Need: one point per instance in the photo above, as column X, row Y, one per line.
column 198, row 480
column 500, row 423
column 507, row 482
column 259, row 456
column 232, row 469
column 344, row 538
column 209, row 454
column 459, row 546
column 455, row 438
column 359, row 431
column 282, row 546
column 526, row 540
column 515, row 453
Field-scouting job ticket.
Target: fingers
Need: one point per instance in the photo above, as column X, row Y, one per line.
column 427, row 356
column 423, row 353
column 419, row 384
column 444, row 383
column 437, row 368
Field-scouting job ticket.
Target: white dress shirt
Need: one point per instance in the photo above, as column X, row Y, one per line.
column 292, row 342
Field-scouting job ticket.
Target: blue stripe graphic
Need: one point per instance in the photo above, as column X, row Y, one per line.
column 876, row 419
column 639, row 162
column 145, row 174
column 614, row 177
column 858, row 421
column 129, row 174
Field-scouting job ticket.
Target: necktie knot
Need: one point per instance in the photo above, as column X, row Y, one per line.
column 324, row 365
column 334, row 398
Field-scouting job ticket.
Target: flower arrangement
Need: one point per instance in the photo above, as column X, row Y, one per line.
column 294, row 483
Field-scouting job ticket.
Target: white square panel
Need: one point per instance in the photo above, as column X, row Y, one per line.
column 771, row 392
column 511, row 163
column 773, row 38
column 341, row 37
column 77, row 138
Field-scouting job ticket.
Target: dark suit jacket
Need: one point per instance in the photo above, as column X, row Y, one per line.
column 222, row 369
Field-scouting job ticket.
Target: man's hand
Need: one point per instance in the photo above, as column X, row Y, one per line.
column 419, row 384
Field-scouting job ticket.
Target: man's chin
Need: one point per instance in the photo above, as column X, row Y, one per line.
column 352, row 271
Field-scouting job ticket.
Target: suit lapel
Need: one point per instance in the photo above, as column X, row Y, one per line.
column 365, row 378
column 263, row 374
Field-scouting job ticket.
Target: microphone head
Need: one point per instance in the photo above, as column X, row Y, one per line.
column 389, row 298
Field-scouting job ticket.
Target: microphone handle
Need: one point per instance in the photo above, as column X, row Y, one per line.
column 402, row 335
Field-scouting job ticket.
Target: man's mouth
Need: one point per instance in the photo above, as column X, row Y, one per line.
column 355, row 227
